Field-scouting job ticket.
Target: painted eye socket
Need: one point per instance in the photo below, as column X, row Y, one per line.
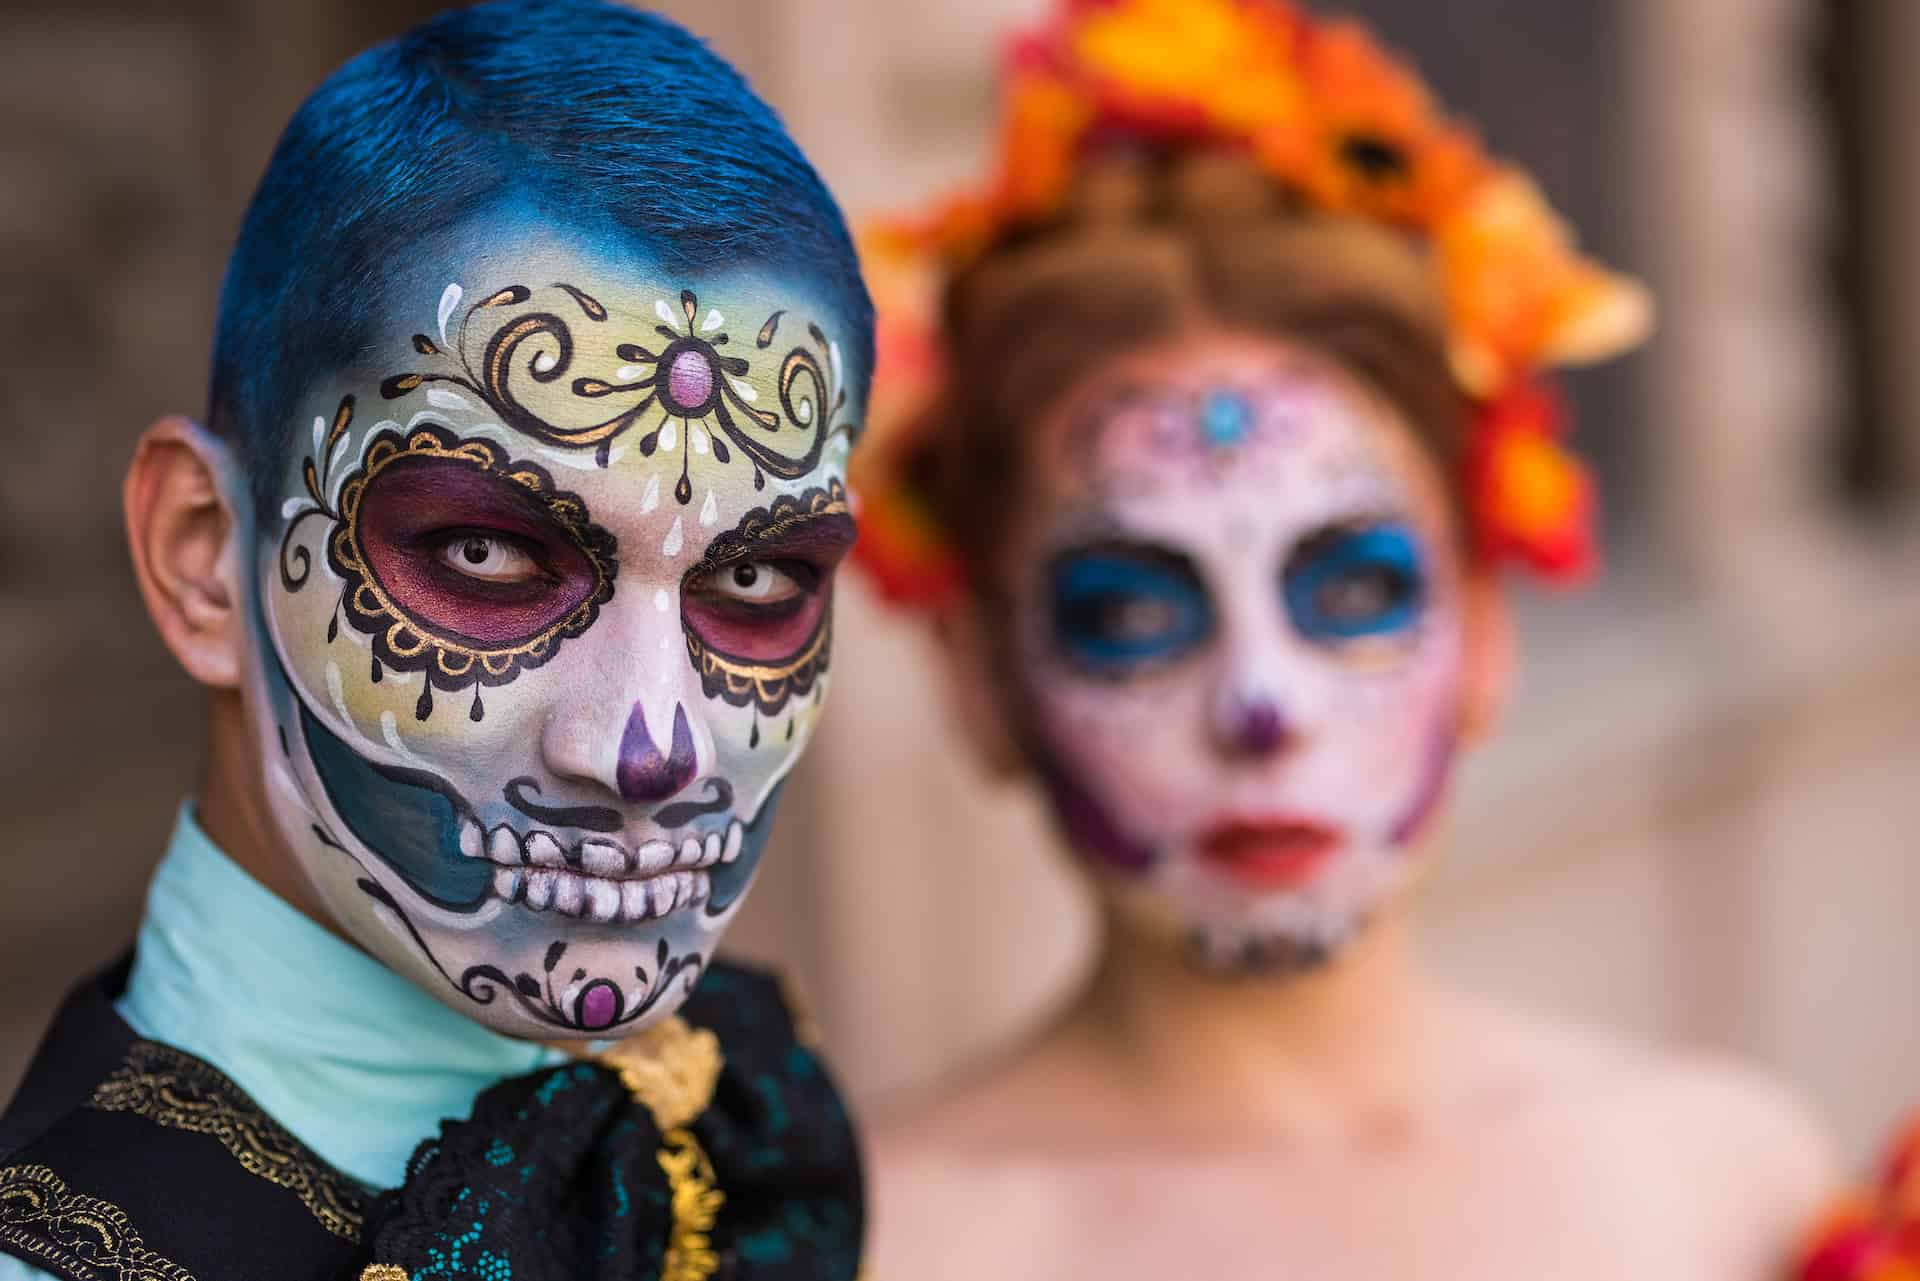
column 422, row 522
column 1118, row 609
column 490, row 558
column 762, row 610
column 1350, row 584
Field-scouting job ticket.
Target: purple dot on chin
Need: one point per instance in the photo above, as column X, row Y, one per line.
column 690, row 379
column 598, row 1006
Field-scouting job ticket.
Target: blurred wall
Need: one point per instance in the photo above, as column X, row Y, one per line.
column 1698, row 825
column 130, row 138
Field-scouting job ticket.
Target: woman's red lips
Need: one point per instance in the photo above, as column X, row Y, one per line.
column 1270, row 856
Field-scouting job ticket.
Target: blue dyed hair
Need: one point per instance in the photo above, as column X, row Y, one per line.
column 594, row 114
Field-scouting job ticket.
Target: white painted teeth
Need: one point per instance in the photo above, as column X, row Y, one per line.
column 503, row 846
column 569, row 894
column 654, row 856
column 602, row 858
column 660, row 895
column 603, row 900
column 600, row 880
column 543, row 850
column 598, row 856
column 595, row 899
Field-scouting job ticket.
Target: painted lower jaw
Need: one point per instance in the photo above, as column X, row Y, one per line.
column 596, row 898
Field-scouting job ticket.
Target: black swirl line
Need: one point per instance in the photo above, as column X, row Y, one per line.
column 482, row 984
column 591, row 818
column 719, row 799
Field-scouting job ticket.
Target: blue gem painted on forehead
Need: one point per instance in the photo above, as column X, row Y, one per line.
column 1225, row 418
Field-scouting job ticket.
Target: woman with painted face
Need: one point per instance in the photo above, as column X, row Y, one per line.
column 1207, row 423
column 506, row 557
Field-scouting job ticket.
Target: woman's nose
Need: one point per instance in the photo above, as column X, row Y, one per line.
column 1252, row 724
column 645, row 773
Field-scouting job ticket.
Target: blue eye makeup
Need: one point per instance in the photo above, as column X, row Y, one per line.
column 1354, row 583
column 1120, row 608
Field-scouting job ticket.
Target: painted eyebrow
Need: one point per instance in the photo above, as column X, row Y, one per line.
column 828, row 536
column 1362, row 521
column 1126, row 546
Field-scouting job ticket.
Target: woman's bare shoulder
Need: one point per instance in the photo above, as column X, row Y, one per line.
column 1736, row 1136
column 1029, row 1101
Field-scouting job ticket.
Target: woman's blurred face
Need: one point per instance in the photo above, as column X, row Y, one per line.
column 1237, row 642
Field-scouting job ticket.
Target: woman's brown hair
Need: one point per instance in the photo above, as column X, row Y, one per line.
column 1147, row 251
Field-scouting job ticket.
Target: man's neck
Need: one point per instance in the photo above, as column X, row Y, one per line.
column 232, row 811
column 1340, row 1048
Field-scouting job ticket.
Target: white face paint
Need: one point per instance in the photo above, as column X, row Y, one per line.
column 545, row 619
column 1238, row 631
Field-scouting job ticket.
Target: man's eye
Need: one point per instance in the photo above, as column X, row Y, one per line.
column 489, row 558
column 1353, row 583
column 753, row 582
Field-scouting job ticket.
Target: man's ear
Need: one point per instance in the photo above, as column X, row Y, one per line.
column 974, row 685
column 182, row 536
column 1490, row 648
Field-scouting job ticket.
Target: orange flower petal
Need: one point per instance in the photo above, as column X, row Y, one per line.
column 1519, row 297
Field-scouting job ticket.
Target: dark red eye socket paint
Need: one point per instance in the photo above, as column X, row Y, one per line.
column 415, row 508
column 773, row 627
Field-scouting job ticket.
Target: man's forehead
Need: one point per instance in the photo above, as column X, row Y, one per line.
column 680, row 420
column 599, row 359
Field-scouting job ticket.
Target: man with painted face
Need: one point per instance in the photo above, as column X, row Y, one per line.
column 506, row 557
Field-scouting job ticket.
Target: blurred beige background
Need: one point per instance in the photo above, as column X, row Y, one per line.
column 1702, row 823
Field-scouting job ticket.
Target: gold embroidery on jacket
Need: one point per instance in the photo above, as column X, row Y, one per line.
column 696, row 1206
column 671, row 1067
column 70, row 1232
column 180, row 1092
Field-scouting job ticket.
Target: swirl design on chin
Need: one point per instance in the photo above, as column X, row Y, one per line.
column 585, row 1003
column 592, row 1004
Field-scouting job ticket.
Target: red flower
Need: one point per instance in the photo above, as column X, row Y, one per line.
column 1531, row 500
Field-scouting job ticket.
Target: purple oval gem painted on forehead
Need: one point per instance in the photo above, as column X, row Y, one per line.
column 691, row 377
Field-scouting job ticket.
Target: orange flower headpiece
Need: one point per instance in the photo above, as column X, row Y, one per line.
column 1346, row 129
column 1874, row 1236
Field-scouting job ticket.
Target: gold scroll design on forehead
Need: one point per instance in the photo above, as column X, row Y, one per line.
column 73, row 1233
column 179, row 1092
column 407, row 643
column 688, row 385
column 743, row 682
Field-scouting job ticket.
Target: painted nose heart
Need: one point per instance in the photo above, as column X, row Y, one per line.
column 646, row 773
